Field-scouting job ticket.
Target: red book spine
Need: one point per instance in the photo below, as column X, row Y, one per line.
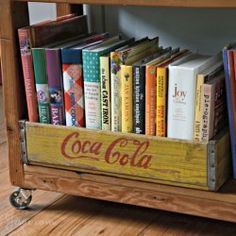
column 28, row 74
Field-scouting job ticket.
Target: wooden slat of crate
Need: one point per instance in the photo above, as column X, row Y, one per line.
column 180, row 163
column 220, row 205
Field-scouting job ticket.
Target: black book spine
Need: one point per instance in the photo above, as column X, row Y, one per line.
column 139, row 99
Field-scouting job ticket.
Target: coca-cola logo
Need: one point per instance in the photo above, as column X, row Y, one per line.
column 123, row 151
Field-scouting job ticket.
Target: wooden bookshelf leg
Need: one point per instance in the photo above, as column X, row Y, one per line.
column 14, row 15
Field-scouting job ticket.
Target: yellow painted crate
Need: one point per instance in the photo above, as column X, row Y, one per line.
column 147, row 158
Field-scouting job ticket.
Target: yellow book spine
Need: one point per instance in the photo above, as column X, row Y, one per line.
column 161, row 101
column 105, row 92
column 198, row 108
column 126, row 99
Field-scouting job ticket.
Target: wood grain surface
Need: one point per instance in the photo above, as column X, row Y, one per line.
column 161, row 3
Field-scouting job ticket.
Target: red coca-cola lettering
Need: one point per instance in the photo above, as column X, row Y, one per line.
column 73, row 148
column 123, row 151
column 136, row 159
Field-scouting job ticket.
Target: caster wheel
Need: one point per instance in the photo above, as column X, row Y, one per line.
column 21, row 198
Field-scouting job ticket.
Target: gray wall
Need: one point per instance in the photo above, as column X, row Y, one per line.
column 202, row 30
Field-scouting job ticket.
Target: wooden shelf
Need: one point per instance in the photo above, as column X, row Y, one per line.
column 157, row 3
column 220, row 205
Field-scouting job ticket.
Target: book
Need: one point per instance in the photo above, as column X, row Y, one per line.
column 91, row 71
column 211, row 101
column 139, row 99
column 118, row 58
column 37, row 35
column 53, row 77
column 202, row 78
column 161, row 91
column 228, row 59
column 126, row 99
column 55, row 88
column 126, row 82
column 73, row 79
column 150, row 93
column 105, row 92
column 182, row 94
column 39, row 62
column 139, row 70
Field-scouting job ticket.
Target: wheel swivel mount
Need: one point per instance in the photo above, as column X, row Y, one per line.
column 21, row 198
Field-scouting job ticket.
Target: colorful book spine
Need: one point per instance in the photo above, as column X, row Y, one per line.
column 73, row 86
column 28, row 74
column 139, row 99
column 55, row 88
column 91, row 71
column 116, row 63
column 228, row 59
column 161, row 93
column 198, row 107
column 105, row 92
column 92, row 88
column 208, row 112
column 126, row 99
column 41, row 82
column 220, row 119
column 150, row 100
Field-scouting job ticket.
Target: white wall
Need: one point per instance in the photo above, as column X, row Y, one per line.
column 41, row 11
column 205, row 30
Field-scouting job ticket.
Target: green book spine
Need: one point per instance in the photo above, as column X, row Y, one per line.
column 91, row 69
column 40, row 73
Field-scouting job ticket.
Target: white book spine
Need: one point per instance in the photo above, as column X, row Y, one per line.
column 181, row 103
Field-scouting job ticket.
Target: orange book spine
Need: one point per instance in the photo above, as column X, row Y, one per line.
column 150, row 100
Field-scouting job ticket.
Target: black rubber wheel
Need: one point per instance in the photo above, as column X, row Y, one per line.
column 18, row 200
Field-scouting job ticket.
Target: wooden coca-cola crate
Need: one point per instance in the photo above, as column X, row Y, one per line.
column 147, row 158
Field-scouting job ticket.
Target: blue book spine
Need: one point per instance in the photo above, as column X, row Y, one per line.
column 231, row 117
column 71, row 56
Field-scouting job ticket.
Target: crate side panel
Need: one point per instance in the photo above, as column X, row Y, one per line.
column 223, row 160
column 116, row 153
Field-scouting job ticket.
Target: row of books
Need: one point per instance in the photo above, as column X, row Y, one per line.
column 102, row 82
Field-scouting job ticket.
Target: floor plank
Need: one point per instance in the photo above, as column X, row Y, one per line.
column 89, row 217
column 10, row 218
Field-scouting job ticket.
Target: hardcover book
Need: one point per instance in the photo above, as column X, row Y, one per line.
column 91, row 71
column 127, row 116
column 105, row 92
column 161, row 91
column 55, row 88
column 228, row 57
column 38, row 35
column 118, row 58
column 41, row 84
column 150, row 92
column 139, row 71
column 182, row 94
column 212, row 100
column 204, row 77
column 73, row 79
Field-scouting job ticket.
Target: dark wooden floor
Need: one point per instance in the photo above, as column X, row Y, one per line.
column 57, row 214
